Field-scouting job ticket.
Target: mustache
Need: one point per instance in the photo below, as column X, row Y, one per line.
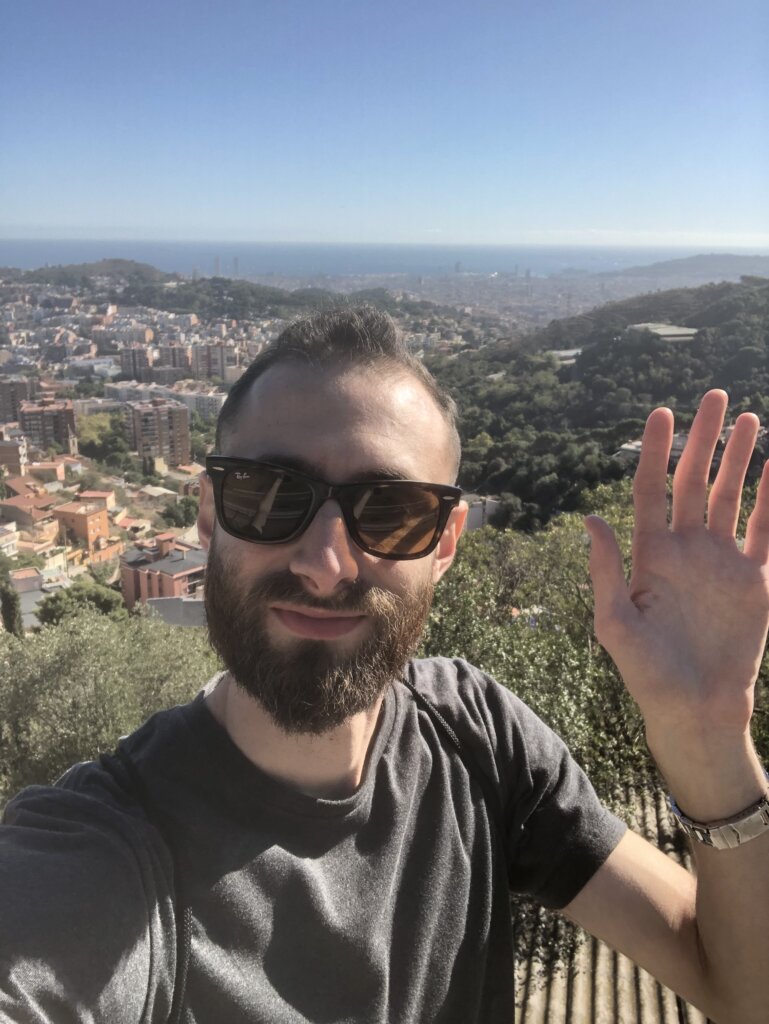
column 358, row 598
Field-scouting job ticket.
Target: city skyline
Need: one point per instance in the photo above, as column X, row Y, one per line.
column 341, row 123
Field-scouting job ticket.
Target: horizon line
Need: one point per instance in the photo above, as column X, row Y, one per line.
column 723, row 246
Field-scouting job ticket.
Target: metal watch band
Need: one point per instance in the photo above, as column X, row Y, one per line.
column 729, row 832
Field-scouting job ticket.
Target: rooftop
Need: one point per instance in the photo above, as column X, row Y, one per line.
column 177, row 563
column 667, row 331
column 81, row 508
column 156, row 492
column 24, row 574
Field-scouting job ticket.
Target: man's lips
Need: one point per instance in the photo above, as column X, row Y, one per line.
column 314, row 624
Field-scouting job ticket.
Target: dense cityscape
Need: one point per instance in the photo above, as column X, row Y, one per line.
column 76, row 374
column 106, row 413
column 108, row 406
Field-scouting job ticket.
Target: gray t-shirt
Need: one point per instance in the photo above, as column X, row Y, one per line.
column 385, row 907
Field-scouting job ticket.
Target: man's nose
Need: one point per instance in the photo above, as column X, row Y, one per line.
column 325, row 556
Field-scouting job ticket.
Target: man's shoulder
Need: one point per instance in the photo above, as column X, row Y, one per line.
column 487, row 714
column 456, row 686
column 100, row 795
column 90, row 800
column 432, row 674
column 70, row 854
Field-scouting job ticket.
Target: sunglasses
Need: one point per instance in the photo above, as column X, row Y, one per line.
column 268, row 504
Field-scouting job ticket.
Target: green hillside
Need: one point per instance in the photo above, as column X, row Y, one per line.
column 76, row 275
column 541, row 434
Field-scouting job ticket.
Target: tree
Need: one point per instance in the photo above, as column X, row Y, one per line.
column 102, row 572
column 91, row 480
column 202, row 435
column 71, row 690
column 10, row 610
column 89, row 387
column 23, row 560
column 102, row 436
column 84, row 593
column 183, row 513
column 91, row 430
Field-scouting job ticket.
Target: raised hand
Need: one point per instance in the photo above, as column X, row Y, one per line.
column 688, row 632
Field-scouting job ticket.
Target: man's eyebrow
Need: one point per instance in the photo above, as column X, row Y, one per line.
column 380, row 472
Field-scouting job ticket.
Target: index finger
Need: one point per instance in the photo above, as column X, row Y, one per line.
column 650, row 480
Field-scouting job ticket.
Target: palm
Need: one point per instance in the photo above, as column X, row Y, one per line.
column 688, row 632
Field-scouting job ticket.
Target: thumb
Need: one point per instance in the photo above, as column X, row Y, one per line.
column 607, row 573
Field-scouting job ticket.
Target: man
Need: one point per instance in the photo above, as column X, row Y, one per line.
column 303, row 842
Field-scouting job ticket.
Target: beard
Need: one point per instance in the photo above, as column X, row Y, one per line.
column 308, row 686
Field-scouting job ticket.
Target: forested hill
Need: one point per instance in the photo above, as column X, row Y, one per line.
column 214, row 297
column 127, row 282
column 541, row 434
column 713, row 266
column 707, row 306
column 76, row 275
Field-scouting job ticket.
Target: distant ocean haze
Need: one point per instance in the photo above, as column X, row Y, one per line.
column 240, row 259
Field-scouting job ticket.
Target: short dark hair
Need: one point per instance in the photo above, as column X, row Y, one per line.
column 343, row 337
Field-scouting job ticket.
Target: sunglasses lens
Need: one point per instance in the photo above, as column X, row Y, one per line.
column 398, row 519
column 269, row 505
column 264, row 505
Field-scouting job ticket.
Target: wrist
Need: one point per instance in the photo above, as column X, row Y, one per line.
column 710, row 777
column 728, row 833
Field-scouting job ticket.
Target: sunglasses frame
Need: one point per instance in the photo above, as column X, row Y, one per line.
column 322, row 491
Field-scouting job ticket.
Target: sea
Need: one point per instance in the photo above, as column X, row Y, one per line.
column 249, row 260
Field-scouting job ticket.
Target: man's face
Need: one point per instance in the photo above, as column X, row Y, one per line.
column 316, row 628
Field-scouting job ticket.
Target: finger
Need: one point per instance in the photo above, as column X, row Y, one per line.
column 757, row 533
column 690, row 483
column 650, row 480
column 607, row 572
column 726, row 493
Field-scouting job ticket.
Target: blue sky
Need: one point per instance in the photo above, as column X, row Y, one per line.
column 549, row 122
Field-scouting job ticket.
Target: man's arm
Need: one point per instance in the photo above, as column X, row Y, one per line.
column 649, row 908
column 86, row 923
column 688, row 635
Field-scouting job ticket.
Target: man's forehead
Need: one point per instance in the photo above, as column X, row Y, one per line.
column 358, row 414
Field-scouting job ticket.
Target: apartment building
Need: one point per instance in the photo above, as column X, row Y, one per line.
column 197, row 396
column 206, row 401
column 32, row 513
column 177, row 356
column 136, row 362
column 82, row 521
column 14, row 455
column 162, row 567
column 49, row 421
column 159, row 428
column 213, row 360
column 86, row 524
column 9, row 537
column 14, row 391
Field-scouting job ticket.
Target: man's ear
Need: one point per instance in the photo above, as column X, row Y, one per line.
column 447, row 545
column 206, row 511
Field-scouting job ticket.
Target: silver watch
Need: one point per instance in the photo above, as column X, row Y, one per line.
column 729, row 832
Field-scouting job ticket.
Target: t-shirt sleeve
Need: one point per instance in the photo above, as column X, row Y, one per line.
column 557, row 833
column 85, row 922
